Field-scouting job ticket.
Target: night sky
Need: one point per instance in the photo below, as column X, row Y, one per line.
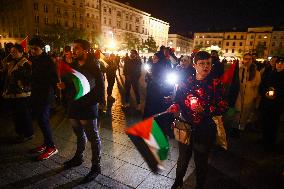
column 207, row 15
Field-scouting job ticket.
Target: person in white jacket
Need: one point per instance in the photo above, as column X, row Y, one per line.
column 248, row 97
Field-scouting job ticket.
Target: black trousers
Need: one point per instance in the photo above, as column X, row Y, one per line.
column 110, row 82
column 22, row 117
column 269, row 124
column 134, row 83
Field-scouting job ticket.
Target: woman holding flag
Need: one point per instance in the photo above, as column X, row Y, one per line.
column 198, row 99
column 84, row 95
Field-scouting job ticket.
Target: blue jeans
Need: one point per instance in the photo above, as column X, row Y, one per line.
column 87, row 129
column 41, row 113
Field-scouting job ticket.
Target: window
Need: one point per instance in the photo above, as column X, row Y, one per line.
column 105, row 20
column 45, row 8
column 126, row 26
column 259, row 37
column 227, row 43
column 118, row 24
column 280, row 44
column 58, row 10
column 130, row 27
column 242, row 37
column 234, row 43
column 228, row 37
column 73, row 2
column 250, row 43
column 227, row 51
column 36, row 19
column 46, row 20
column 35, row 6
column 273, row 44
column 240, row 50
column 109, row 22
column 274, row 37
column 109, row 10
column 241, row 43
column 58, row 21
column 126, row 16
column 235, row 37
column 105, row 9
column 81, row 4
column 251, row 37
column 88, row 15
column 137, row 20
column 137, row 28
column 233, row 50
column 118, row 13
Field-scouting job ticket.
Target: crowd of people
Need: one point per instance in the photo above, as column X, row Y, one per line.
column 254, row 97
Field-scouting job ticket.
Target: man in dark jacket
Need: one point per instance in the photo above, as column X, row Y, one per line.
column 217, row 66
column 44, row 78
column 83, row 112
column 132, row 72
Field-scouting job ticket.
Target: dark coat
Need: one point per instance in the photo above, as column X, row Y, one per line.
column 44, row 79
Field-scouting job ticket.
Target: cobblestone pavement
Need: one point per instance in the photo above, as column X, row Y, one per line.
column 244, row 165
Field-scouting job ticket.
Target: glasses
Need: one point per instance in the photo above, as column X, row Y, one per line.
column 204, row 63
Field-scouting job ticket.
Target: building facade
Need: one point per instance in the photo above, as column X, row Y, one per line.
column 118, row 20
column 234, row 44
column 106, row 22
column 41, row 17
column 207, row 39
column 264, row 41
column 181, row 44
column 159, row 30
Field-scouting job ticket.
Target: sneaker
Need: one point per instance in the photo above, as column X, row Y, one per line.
column 74, row 162
column 91, row 175
column 38, row 149
column 47, row 153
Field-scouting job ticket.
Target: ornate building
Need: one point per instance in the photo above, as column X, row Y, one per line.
column 181, row 44
column 105, row 22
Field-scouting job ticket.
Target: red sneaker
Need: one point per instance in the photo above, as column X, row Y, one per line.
column 39, row 149
column 47, row 153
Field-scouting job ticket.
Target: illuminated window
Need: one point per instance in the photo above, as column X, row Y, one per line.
column 45, row 8
column 234, row 43
column 35, row 6
column 241, row 43
column 233, row 50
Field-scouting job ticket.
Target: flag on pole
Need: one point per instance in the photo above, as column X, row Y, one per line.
column 24, row 44
column 80, row 81
column 150, row 141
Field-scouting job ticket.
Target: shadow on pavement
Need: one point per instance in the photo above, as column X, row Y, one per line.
column 27, row 181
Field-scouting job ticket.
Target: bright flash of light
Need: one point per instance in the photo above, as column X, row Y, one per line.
column 112, row 45
column 172, row 78
column 147, row 67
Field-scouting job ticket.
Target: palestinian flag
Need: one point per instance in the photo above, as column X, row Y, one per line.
column 80, row 81
column 150, row 141
column 24, row 44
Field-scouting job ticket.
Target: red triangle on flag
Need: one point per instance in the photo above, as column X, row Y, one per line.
column 141, row 129
column 24, row 44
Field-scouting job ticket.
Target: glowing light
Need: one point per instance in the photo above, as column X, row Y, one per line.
column 47, row 48
column 112, row 45
column 147, row 67
column 172, row 78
